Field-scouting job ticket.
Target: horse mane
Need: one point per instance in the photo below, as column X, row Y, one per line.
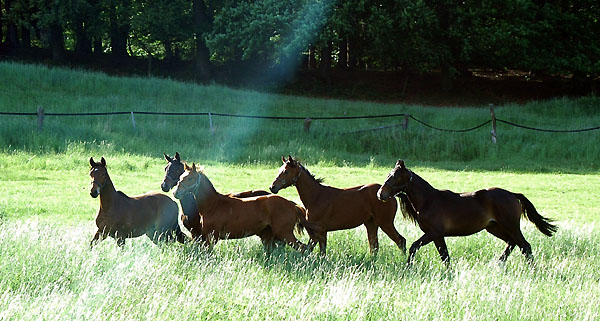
column 407, row 209
column 319, row 179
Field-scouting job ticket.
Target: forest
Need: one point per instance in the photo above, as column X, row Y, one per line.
column 234, row 41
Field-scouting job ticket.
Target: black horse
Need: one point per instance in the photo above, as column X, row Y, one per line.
column 444, row 213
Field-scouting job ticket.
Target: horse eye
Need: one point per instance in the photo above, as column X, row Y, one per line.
column 285, row 171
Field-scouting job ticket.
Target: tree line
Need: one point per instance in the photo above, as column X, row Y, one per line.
column 280, row 37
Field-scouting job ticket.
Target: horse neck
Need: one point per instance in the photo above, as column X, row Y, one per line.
column 108, row 194
column 308, row 187
column 205, row 194
column 419, row 192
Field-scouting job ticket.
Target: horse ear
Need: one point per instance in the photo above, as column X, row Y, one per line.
column 400, row 163
column 283, row 159
column 103, row 162
column 186, row 166
column 92, row 163
column 194, row 167
column 177, row 156
column 169, row 159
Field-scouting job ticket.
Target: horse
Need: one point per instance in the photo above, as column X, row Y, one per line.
column 332, row 209
column 190, row 216
column 121, row 216
column 270, row 217
column 441, row 213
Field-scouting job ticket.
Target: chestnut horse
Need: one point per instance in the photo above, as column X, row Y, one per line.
column 124, row 217
column 190, row 217
column 332, row 209
column 270, row 217
column 444, row 213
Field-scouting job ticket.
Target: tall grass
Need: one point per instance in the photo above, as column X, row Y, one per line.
column 24, row 87
column 47, row 271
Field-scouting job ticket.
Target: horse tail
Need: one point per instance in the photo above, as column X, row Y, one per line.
column 407, row 209
column 542, row 223
column 302, row 224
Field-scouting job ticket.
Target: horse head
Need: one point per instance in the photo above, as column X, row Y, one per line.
column 173, row 170
column 397, row 181
column 189, row 181
column 288, row 174
column 99, row 176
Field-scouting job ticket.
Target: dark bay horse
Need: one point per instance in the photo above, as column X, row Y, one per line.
column 444, row 213
column 270, row 217
column 121, row 216
column 331, row 209
column 190, row 216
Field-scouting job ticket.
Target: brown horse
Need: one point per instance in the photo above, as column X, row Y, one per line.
column 444, row 213
column 270, row 217
column 332, row 209
column 124, row 217
column 190, row 217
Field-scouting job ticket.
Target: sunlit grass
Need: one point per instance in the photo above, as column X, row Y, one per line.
column 47, row 271
column 241, row 140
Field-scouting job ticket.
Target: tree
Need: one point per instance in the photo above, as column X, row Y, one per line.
column 161, row 22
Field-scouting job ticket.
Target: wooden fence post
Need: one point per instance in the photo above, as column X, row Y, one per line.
column 405, row 123
column 307, row 122
column 132, row 120
column 40, row 118
column 493, row 123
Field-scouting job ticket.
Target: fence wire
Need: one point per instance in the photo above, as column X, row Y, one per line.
column 312, row 118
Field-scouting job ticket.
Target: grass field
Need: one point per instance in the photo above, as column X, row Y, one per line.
column 47, row 271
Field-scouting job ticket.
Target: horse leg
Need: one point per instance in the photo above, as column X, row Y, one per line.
column 323, row 243
column 500, row 233
column 440, row 244
column 292, row 241
column 99, row 236
column 519, row 239
column 423, row 240
column 393, row 234
column 372, row 236
column 268, row 240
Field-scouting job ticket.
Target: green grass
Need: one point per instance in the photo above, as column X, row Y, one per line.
column 24, row 87
column 47, row 271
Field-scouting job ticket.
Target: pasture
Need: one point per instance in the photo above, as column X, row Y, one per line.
column 46, row 214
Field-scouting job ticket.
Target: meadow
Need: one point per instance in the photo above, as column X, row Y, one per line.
column 47, row 271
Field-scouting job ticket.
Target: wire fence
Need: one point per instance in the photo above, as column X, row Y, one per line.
column 40, row 114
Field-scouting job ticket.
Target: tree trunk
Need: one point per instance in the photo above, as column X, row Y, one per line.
column 202, row 23
column 168, row 50
column 25, row 37
column 326, row 59
column 12, row 37
column 1, row 24
column 118, row 42
column 98, row 45
column 83, row 43
column 118, row 32
column 312, row 61
column 57, row 43
column 343, row 58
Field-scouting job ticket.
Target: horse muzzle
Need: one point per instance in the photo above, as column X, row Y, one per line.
column 383, row 195
column 274, row 189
